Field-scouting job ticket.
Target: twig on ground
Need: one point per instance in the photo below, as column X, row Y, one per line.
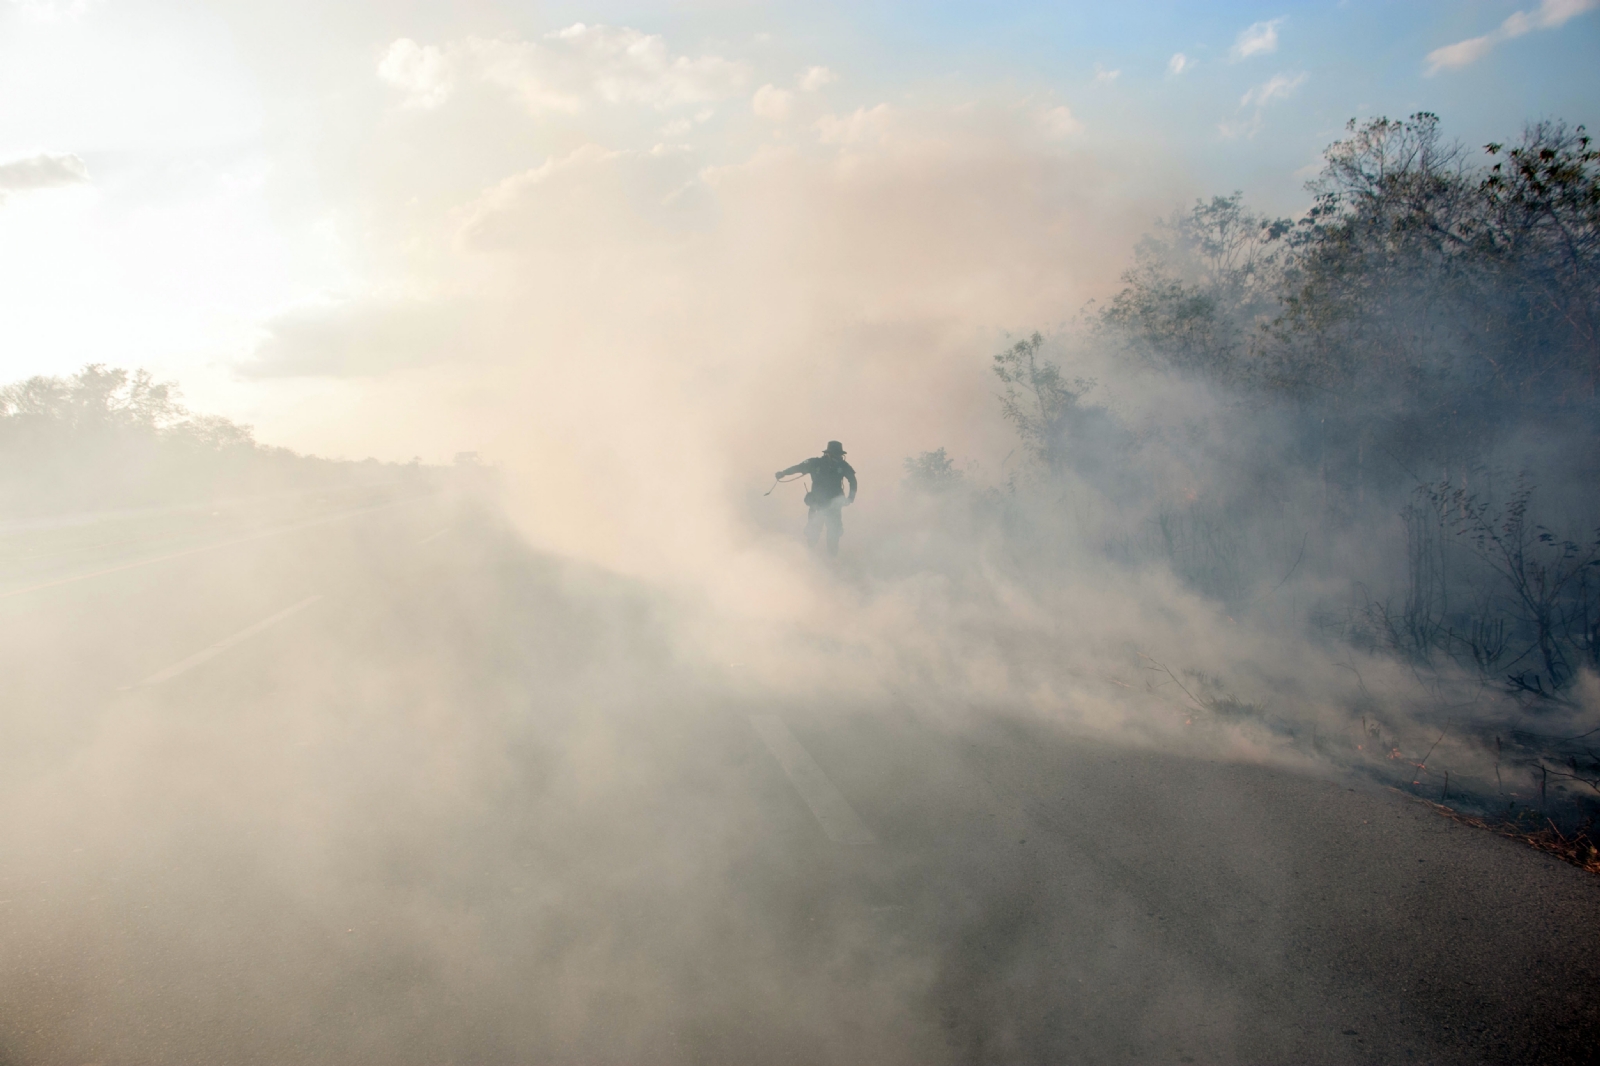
column 1423, row 765
column 1574, row 775
column 1162, row 667
column 1579, row 849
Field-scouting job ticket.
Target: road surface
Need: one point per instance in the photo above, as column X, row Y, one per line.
column 391, row 788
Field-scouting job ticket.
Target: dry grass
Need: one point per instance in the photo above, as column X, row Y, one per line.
column 1579, row 848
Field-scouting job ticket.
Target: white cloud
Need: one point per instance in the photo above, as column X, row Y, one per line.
column 814, row 78
column 1103, row 76
column 1459, row 54
column 591, row 198
column 858, row 126
column 1257, row 39
column 1059, row 122
column 1277, row 87
column 1549, row 15
column 421, row 71
column 42, row 171
column 1178, row 64
column 539, row 78
column 565, row 71
column 626, row 66
column 771, row 103
column 51, row 10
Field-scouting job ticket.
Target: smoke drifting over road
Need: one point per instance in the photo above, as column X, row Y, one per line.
column 570, row 751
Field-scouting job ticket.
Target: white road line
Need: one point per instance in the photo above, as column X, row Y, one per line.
column 225, row 643
column 839, row 820
column 433, row 536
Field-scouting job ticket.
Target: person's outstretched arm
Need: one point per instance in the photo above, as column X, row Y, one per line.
column 798, row 468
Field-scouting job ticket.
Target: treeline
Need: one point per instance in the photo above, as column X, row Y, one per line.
column 107, row 438
column 1404, row 382
column 1429, row 303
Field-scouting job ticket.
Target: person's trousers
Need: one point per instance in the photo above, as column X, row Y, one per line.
column 828, row 516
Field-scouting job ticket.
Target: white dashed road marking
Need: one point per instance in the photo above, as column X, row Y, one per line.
column 225, row 643
column 839, row 820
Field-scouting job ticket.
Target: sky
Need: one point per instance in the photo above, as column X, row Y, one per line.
column 400, row 228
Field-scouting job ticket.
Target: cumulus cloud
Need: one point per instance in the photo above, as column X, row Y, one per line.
column 1178, row 64
column 626, row 66
column 587, row 202
column 814, row 78
column 860, row 125
column 421, row 71
column 565, row 71
column 1549, row 15
column 1103, row 76
column 1257, row 39
column 1277, row 87
column 771, row 103
column 42, row 171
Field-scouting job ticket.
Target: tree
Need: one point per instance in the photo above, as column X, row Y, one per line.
column 94, row 397
column 1036, row 399
column 1424, row 307
column 934, row 473
column 107, row 437
column 1378, row 294
column 1198, row 287
column 1544, row 196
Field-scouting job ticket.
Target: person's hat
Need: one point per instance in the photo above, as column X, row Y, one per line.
column 833, row 448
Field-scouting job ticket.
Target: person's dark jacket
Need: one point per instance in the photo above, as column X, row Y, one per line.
column 828, row 474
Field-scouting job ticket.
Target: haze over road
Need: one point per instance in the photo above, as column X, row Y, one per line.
column 392, row 788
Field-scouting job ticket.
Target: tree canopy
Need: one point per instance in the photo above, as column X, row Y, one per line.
column 1422, row 290
column 105, row 437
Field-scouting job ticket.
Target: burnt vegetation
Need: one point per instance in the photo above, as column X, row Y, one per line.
column 1396, row 394
column 1414, row 362
column 1426, row 330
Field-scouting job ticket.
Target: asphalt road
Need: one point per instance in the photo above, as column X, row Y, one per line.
column 390, row 788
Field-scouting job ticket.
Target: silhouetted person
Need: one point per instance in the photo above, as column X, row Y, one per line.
column 828, row 473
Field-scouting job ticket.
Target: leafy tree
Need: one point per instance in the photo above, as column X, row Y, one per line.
column 1431, row 309
column 1381, row 269
column 93, row 398
column 1423, row 308
column 1037, row 399
column 1544, row 196
column 107, row 437
column 1199, row 285
column 934, row 473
